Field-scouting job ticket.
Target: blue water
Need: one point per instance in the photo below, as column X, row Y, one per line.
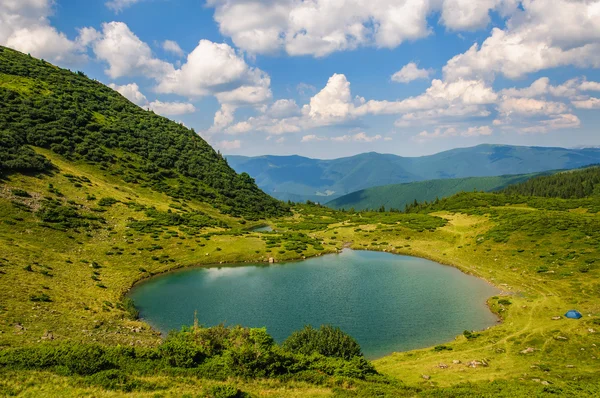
column 386, row 302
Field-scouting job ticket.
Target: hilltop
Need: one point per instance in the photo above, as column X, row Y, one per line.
column 299, row 179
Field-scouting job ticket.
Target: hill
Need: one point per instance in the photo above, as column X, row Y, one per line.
column 298, row 178
column 82, row 120
column 573, row 184
column 397, row 196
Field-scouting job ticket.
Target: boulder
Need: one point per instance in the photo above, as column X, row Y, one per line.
column 528, row 350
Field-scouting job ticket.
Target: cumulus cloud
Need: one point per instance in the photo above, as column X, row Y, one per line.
column 284, row 108
column 531, row 41
column 213, row 68
column 171, row 108
column 410, row 72
column 320, row 27
column 172, row 47
column 126, row 54
column 333, row 102
column 131, row 92
column 24, row 26
column 559, row 122
column 530, row 106
column 590, row 103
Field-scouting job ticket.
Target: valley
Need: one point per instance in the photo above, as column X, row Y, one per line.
column 97, row 194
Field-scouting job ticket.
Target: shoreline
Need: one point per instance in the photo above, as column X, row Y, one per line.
column 347, row 245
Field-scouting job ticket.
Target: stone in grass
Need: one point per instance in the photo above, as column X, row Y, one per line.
column 556, row 318
column 528, row 350
column 426, row 377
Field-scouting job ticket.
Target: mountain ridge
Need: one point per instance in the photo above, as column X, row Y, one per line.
column 298, row 178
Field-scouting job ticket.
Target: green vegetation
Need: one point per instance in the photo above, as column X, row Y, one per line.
column 574, row 184
column 397, row 196
column 75, row 236
column 82, row 119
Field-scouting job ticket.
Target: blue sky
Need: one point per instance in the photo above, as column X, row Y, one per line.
column 330, row 78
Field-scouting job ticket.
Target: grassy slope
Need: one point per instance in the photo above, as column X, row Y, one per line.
column 396, row 196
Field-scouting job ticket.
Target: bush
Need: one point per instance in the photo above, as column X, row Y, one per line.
column 225, row 391
column 328, row 341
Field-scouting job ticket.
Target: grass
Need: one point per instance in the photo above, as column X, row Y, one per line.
column 71, row 284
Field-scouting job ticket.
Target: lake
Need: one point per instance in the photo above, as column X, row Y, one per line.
column 385, row 301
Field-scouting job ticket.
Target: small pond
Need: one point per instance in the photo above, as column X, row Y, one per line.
column 386, row 302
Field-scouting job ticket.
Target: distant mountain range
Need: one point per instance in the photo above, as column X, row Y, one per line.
column 396, row 196
column 298, row 178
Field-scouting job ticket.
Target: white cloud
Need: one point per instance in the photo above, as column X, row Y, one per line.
column 531, row 41
column 590, row 86
column 439, row 95
column 172, row 47
column 313, row 138
column 530, row 107
column 120, row 5
column 171, row 108
column 24, row 26
column 450, row 131
column 559, row 122
column 320, row 27
column 359, row 137
column 333, row 103
column 473, row 14
column 590, row 103
column 223, row 117
column 410, row 72
column 216, row 69
column 283, row 108
column 131, row 92
column 229, row 145
column 126, row 54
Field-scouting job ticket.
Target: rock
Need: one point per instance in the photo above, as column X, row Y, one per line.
column 556, row 318
column 536, row 380
column 456, row 362
column 528, row 350
column 561, row 338
column 426, row 377
column 591, row 330
column 546, row 383
column 474, row 364
column 47, row 335
column 570, row 366
column 19, row 329
column 271, row 260
column 443, row 366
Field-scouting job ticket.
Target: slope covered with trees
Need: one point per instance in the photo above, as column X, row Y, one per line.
column 83, row 120
column 574, row 184
column 398, row 196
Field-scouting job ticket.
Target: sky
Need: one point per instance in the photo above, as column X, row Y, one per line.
column 333, row 78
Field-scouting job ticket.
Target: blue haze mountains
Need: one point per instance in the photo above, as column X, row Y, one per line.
column 299, row 178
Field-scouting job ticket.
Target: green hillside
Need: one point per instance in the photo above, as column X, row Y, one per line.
column 397, row 196
column 88, row 208
column 83, row 120
column 299, row 179
column 573, row 184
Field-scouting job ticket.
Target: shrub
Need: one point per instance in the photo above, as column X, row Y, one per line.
column 225, row 391
column 21, row 193
column 328, row 341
